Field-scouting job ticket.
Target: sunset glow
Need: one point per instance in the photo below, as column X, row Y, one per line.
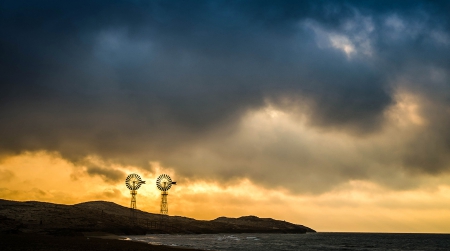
column 330, row 114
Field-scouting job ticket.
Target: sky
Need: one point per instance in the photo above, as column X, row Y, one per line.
column 330, row 114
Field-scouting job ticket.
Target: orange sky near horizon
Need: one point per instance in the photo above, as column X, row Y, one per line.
column 357, row 206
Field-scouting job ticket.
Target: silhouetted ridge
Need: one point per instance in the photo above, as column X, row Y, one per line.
column 252, row 222
column 43, row 217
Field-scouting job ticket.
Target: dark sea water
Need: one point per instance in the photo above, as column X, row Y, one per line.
column 313, row 241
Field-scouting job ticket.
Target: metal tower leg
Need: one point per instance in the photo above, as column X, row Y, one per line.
column 133, row 206
column 164, row 205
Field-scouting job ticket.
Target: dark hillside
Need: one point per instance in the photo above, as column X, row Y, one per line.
column 57, row 219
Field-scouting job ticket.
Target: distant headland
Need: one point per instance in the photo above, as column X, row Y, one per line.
column 103, row 216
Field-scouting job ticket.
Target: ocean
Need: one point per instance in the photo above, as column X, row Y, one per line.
column 310, row 241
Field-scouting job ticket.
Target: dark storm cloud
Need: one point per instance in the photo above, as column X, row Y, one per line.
column 109, row 175
column 133, row 81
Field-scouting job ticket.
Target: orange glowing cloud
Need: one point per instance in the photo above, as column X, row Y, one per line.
column 354, row 206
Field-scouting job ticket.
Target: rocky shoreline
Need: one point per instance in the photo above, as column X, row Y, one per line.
column 39, row 242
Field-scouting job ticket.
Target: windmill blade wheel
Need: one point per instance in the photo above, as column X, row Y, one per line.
column 164, row 182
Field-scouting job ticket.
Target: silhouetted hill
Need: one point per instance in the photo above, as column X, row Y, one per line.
column 253, row 223
column 58, row 219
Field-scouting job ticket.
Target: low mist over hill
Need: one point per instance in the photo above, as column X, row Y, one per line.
column 58, row 219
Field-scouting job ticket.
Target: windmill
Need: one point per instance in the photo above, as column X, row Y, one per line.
column 164, row 183
column 133, row 182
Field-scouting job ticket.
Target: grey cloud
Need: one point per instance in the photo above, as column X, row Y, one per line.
column 140, row 81
column 107, row 174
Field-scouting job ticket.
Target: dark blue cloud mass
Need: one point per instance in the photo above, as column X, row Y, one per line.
column 132, row 80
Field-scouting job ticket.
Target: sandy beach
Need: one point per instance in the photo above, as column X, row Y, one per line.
column 36, row 242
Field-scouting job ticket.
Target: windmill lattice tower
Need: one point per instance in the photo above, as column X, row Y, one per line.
column 133, row 182
column 164, row 183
